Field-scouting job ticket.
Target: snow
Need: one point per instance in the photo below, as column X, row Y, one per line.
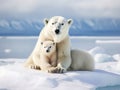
column 103, row 58
column 12, row 70
column 108, row 41
column 100, row 55
column 7, row 50
column 13, row 76
column 118, row 66
column 116, row 57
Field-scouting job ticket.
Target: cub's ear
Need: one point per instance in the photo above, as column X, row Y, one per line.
column 41, row 43
column 46, row 21
column 70, row 21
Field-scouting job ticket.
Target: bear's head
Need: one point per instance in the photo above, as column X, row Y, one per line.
column 48, row 47
column 57, row 27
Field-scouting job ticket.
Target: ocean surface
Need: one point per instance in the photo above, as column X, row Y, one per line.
column 21, row 47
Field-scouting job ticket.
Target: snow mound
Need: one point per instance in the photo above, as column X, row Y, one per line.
column 118, row 67
column 13, row 76
column 99, row 58
column 116, row 57
column 100, row 55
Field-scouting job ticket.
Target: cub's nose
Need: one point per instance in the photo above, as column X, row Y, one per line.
column 57, row 31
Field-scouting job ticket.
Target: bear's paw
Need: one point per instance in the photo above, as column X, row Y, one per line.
column 34, row 67
column 60, row 70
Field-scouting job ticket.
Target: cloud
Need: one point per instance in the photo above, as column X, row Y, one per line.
column 97, row 8
column 83, row 8
column 18, row 6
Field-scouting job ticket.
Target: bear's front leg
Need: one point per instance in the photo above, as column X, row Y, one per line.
column 63, row 64
column 45, row 66
column 63, row 55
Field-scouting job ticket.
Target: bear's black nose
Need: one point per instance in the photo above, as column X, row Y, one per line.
column 57, row 31
column 47, row 51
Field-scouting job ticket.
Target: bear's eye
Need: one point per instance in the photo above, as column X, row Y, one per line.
column 50, row 47
column 41, row 43
column 62, row 23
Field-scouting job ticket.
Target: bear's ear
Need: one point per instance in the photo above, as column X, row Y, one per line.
column 46, row 21
column 41, row 43
column 70, row 21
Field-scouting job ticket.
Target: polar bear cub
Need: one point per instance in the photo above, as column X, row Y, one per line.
column 46, row 59
column 81, row 60
column 48, row 51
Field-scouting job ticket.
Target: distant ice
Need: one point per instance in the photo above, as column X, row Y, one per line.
column 118, row 67
column 7, row 50
column 108, row 41
column 97, row 50
column 116, row 57
column 100, row 55
column 99, row 58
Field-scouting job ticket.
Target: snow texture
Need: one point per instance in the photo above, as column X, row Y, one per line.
column 116, row 57
column 118, row 66
column 13, row 76
column 103, row 58
column 100, row 55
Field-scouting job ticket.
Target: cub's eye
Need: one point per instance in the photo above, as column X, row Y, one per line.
column 45, row 47
column 50, row 47
column 53, row 23
column 62, row 23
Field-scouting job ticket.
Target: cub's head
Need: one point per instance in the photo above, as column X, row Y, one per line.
column 48, row 47
column 58, row 27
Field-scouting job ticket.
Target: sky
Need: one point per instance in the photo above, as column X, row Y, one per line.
column 69, row 8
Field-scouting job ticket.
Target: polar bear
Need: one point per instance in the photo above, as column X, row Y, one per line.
column 47, row 57
column 56, row 29
column 81, row 60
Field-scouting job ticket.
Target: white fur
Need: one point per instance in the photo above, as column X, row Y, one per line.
column 43, row 58
column 81, row 60
column 62, row 42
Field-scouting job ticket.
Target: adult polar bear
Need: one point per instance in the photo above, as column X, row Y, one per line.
column 56, row 29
